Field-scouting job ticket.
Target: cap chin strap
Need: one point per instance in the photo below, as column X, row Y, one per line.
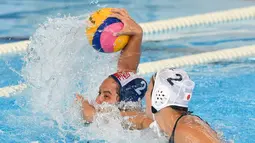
column 155, row 110
column 155, row 125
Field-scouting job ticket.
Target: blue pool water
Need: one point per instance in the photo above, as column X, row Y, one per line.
column 223, row 95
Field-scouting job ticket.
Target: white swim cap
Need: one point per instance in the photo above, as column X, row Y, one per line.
column 172, row 87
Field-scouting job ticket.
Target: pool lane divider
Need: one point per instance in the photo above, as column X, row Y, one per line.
column 196, row 59
column 151, row 67
column 10, row 90
column 161, row 30
column 14, row 48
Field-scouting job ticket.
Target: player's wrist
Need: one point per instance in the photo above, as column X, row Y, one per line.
column 139, row 31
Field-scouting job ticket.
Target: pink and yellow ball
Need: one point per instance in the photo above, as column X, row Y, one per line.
column 101, row 29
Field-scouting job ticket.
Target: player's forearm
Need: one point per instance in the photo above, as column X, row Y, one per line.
column 146, row 122
column 130, row 55
column 138, row 120
column 88, row 113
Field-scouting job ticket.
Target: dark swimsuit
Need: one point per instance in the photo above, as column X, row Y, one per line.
column 171, row 140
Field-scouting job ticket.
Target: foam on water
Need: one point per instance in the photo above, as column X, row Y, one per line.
column 59, row 63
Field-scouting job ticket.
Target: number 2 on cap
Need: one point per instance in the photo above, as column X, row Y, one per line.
column 139, row 89
column 170, row 80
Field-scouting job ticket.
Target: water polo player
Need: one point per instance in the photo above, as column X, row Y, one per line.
column 167, row 98
column 124, row 85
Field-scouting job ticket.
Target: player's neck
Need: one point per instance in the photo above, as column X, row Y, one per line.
column 167, row 118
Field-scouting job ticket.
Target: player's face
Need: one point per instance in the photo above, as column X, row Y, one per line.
column 108, row 92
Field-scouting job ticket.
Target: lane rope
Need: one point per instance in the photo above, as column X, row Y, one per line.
column 160, row 30
column 150, row 67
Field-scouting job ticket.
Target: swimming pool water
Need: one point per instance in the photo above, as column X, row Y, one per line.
column 224, row 91
column 10, row 70
column 223, row 96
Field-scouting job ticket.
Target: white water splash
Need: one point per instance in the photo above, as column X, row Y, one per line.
column 60, row 63
column 109, row 127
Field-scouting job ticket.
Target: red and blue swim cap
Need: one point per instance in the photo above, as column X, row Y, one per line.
column 132, row 86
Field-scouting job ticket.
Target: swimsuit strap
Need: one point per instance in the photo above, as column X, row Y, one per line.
column 171, row 140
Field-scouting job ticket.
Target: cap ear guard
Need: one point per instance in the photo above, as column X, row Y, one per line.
column 160, row 98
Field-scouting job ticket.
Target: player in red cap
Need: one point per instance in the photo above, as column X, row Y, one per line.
column 124, row 85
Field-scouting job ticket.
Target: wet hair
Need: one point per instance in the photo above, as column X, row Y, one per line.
column 118, row 87
column 181, row 109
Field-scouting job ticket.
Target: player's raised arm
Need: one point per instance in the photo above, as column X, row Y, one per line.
column 130, row 55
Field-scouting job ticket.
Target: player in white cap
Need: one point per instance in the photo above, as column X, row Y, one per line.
column 169, row 92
